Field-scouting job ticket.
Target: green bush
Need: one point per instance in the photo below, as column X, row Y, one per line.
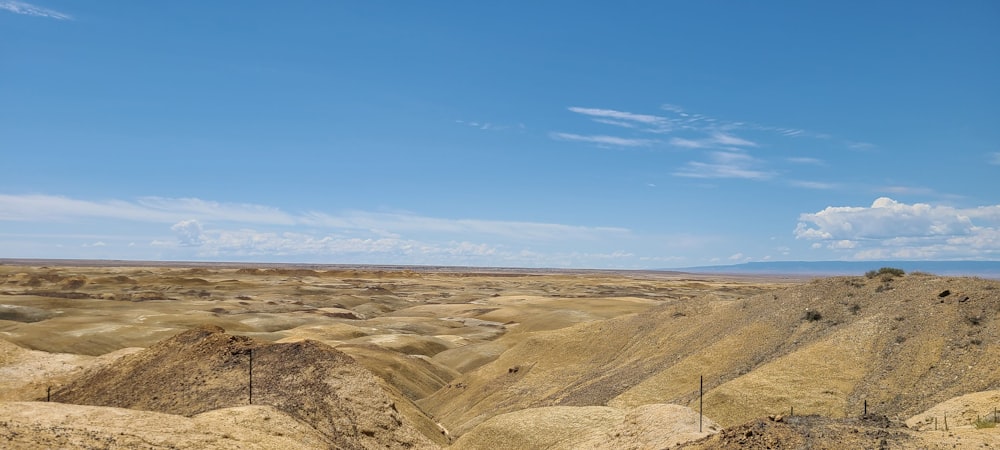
column 886, row 272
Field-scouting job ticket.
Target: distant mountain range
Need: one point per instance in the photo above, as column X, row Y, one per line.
column 985, row 269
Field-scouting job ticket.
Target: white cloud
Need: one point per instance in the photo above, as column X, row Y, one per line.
column 603, row 140
column 861, row 146
column 812, row 161
column 908, row 190
column 716, row 140
column 187, row 213
column 893, row 229
column 688, row 143
column 617, row 123
column 730, row 140
column 195, row 228
column 994, row 158
column 725, row 165
column 243, row 244
column 406, row 222
column 189, row 233
column 487, row 126
column 622, row 116
column 33, row 207
column 812, row 184
column 19, row 7
column 842, row 244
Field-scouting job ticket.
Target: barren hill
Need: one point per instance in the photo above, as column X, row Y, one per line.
column 205, row 369
column 367, row 358
column 901, row 344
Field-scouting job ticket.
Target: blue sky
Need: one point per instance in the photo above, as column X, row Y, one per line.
column 532, row 134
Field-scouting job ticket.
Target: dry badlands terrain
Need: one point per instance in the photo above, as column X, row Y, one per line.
column 172, row 356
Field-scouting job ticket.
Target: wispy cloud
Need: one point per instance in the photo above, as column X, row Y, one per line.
column 27, row 9
column 209, row 243
column 603, row 140
column 994, row 158
column 892, row 229
column 186, row 215
column 730, row 140
column 405, row 222
column 617, row 123
column 37, row 207
column 725, row 165
column 625, row 119
column 810, row 161
column 716, row 140
column 167, row 228
column 489, row 126
column 697, row 127
column 861, row 146
column 813, row 184
column 688, row 143
column 907, row 190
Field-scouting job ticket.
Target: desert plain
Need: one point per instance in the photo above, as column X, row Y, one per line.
column 226, row 356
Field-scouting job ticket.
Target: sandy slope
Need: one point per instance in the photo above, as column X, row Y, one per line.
column 588, row 427
column 896, row 344
column 205, row 369
column 27, row 425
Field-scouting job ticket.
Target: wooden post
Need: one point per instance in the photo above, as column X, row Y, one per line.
column 866, row 407
column 251, row 376
column 792, row 412
column 935, row 424
column 701, row 395
column 945, row 422
column 48, row 394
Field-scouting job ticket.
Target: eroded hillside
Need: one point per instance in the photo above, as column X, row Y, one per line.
column 368, row 358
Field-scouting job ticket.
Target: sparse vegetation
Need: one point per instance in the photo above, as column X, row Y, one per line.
column 985, row 423
column 952, row 337
column 887, row 273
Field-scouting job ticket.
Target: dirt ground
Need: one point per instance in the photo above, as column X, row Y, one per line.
column 496, row 358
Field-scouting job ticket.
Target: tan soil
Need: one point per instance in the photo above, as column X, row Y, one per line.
column 499, row 358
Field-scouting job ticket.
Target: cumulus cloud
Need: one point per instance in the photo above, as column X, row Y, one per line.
column 889, row 228
column 188, row 232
